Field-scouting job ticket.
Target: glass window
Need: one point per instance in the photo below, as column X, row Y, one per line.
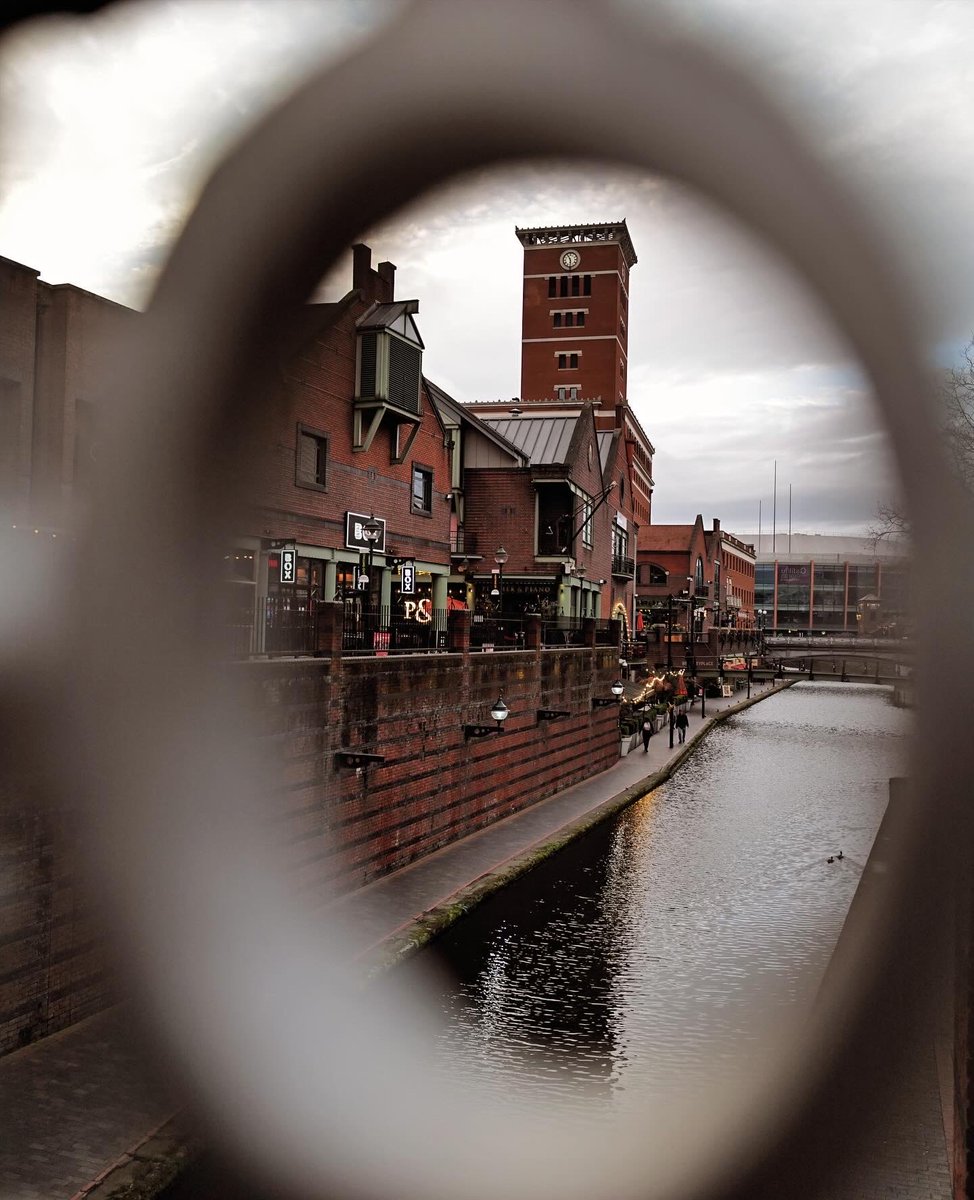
column 422, row 493
column 586, row 520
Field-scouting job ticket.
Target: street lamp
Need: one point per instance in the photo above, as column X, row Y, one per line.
column 500, row 557
column 371, row 531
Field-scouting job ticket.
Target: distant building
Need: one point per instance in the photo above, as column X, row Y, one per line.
column 831, row 585
column 54, row 345
column 686, row 574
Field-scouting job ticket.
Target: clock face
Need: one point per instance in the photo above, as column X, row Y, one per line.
column 570, row 259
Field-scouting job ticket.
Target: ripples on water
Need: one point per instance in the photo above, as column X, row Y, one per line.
column 655, row 955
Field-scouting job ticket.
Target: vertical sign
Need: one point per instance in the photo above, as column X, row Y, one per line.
column 408, row 578
column 289, row 563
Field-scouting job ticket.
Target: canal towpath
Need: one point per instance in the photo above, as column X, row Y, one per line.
column 81, row 1117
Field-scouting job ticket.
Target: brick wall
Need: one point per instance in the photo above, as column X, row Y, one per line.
column 53, row 970
column 435, row 786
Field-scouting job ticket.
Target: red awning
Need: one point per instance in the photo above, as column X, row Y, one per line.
column 453, row 605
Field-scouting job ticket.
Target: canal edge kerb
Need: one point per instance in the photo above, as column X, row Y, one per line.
column 407, row 941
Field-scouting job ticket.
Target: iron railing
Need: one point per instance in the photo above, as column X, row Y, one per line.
column 381, row 630
column 623, row 566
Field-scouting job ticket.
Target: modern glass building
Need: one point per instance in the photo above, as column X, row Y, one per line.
column 839, row 593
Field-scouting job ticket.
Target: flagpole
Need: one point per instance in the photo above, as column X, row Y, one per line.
column 774, row 511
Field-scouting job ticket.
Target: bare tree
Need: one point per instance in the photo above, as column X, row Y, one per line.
column 957, row 397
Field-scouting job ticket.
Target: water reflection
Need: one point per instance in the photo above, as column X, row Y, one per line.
column 658, row 954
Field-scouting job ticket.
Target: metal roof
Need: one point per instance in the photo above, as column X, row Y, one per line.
column 542, row 439
column 396, row 316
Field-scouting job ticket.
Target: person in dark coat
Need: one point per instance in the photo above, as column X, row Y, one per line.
column 647, row 731
column 682, row 721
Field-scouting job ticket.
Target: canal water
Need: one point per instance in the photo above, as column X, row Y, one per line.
column 665, row 950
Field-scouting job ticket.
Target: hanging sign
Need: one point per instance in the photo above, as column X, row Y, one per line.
column 355, row 538
column 407, row 584
column 289, row 564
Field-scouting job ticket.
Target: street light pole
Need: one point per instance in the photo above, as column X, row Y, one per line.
column 500, row 557
column 669, row 632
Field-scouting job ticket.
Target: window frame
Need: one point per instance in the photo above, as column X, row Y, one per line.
column 322, row 439
column 417, row 468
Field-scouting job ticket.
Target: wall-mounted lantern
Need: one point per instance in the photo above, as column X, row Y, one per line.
column 616, row 689
column 499, row 712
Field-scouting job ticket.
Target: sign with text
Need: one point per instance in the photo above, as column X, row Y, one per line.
column 289, row 564
column 407, row 583
column 355, row 538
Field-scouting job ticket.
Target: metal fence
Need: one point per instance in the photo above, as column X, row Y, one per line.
column 382, row 630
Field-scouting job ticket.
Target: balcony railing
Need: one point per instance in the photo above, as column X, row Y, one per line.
column 622, row 566
column 462, row 542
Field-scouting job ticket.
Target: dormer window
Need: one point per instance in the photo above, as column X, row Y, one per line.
column 388, row 374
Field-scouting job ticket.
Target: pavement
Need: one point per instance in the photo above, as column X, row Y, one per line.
column 78, row 1106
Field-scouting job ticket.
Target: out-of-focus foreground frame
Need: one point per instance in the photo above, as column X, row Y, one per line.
column 332, row 1098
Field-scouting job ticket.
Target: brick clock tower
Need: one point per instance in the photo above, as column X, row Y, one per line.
column 575, row 336
column 575, row 319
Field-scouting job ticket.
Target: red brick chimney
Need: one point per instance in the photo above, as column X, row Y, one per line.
column 375, row 285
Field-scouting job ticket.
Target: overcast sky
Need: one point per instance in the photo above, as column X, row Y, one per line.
column 110, row 124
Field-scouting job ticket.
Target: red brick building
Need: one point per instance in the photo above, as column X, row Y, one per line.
column 734, row 563
column 574, row 366
column 352, row 434
column 709, row 573
column 551, row 515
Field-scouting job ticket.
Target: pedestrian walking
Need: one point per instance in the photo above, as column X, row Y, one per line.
column 647, row 732
column 682, row 721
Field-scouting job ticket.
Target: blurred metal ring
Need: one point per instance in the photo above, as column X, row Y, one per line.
column 316, row 1092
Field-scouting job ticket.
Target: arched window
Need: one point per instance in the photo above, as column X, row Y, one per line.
column 698, row 575
column 655, row 576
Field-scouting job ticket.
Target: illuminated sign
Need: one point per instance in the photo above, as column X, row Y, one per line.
column 419, row 610
column 408, row 578
column 289, row 564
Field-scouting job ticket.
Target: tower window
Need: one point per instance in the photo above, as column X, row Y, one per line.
column 557, row 319
column 575, row 285
column 563, row 286
column 552, row 285
column 567, row 362
column 579, row 318
column 587, row 285
column 569, row 318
